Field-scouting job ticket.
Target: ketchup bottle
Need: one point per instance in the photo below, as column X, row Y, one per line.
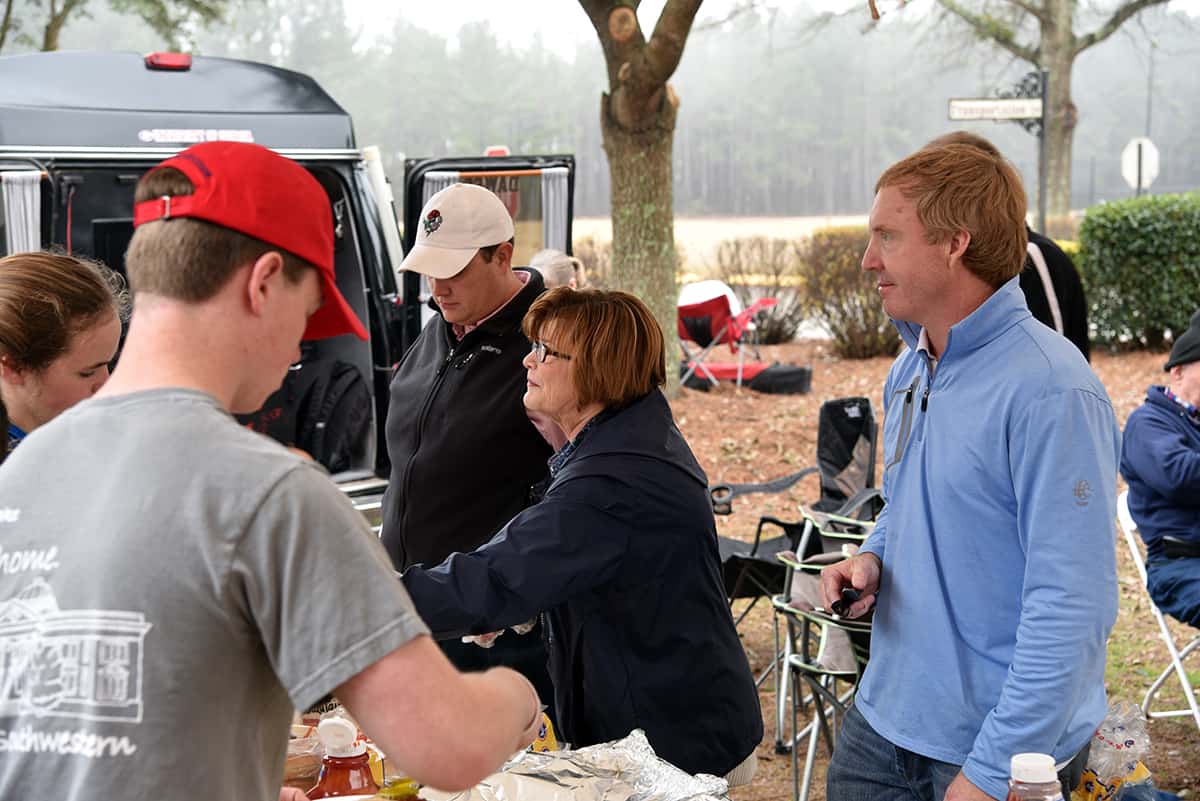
column 345, row 768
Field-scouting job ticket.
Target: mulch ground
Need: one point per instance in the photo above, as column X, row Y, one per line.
column 744, row 436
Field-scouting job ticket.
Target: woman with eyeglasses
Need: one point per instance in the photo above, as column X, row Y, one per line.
column 60, row 324
column 620, row 555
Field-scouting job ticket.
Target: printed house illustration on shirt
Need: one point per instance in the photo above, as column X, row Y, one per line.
column 83, row 664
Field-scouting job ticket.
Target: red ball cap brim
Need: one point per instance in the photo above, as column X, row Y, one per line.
column 257, row 192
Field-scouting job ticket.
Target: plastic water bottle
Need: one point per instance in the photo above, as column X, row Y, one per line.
column 1034, row 779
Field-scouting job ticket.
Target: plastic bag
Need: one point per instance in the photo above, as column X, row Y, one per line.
column 1115, row 769
column 303, row 758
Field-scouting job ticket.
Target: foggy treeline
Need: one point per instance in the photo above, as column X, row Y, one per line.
column 782, row 114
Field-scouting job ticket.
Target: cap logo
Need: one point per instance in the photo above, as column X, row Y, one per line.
column 433, row 221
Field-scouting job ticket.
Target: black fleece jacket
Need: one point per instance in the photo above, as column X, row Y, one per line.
column 463, row 450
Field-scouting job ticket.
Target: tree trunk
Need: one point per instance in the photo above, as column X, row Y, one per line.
column 55, row 25
column 643, row 218
column 1058, row 56
column 6, row 21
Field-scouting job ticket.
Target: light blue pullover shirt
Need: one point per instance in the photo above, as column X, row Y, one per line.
column 999, row 582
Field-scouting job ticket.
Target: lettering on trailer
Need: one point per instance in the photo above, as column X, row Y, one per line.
column 191, row 136
column 505, row 187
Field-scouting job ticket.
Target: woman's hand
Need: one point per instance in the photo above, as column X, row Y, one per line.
column 291, row 794
column 483, row 640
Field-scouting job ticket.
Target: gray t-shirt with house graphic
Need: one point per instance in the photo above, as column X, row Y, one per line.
column 172, row 586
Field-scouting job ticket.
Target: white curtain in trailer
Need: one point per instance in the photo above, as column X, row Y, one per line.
column 436, row 181
column 554, row 208
column 22, row 191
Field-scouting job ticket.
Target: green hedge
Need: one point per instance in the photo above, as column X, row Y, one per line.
column 842, row 297
column 1141, row 268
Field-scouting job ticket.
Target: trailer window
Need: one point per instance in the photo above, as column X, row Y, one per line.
column 536, row 199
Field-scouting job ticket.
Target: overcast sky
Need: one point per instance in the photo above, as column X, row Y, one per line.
column 562, row 23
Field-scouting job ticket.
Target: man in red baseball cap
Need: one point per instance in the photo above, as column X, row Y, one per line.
column 223, row 581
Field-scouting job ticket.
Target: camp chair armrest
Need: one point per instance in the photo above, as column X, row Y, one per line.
column 722, row 495
column 793, row 531
column 854, row 505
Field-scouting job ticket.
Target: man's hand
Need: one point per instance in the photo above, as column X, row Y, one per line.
column 859, row 572
column 961, row 789
column 291, row 794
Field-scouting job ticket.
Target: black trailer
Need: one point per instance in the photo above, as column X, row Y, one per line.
column 91, row 123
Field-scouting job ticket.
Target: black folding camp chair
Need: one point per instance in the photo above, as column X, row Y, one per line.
column 827, row 538
column 827, row 689
column 846, row 433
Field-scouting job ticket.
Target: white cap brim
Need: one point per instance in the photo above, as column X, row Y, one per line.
column 437, row 262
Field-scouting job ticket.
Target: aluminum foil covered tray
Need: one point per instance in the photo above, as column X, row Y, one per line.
column 621, row 770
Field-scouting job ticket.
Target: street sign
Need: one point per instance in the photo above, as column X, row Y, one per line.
column 996, row 108
column 1129, row 162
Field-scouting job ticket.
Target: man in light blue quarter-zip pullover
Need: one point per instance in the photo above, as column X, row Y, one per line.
column 992, row 568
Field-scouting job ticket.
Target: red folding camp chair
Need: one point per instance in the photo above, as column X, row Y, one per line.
column 710, row 315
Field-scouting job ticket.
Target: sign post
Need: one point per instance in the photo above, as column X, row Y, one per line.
column 1026, row 105
column 1043, row 155
column 1139, row 164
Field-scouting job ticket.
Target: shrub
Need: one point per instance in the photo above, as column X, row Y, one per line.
column 1141, row 260
column 841, row 297
column 1071, row 248
column 759, row 267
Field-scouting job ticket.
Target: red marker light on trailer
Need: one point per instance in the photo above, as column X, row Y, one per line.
column 170, row 62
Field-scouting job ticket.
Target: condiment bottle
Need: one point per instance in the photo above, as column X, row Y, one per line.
column 1033, row 778
column 345, row 768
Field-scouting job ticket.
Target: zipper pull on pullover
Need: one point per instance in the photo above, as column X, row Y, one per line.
column 445, row 362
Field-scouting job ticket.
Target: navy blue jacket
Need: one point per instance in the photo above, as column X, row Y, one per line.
column 621, row 555
column 1160, row 460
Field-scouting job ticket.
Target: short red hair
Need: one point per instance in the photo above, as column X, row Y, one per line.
column 613, row 339
column 963, row 187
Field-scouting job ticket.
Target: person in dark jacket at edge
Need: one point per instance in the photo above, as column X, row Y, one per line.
column 1051, row 284
column 463, row 449
column 620, row 554
column 1160, row 460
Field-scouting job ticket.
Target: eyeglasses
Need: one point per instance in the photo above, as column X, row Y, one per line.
column 541, row 350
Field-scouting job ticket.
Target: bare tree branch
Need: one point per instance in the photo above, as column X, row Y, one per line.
column 735, row 12
column 58, row 18
column 990, row 28
column 616, row 54
column 6, row 22
column 1034, row 11
column 1114, row 22
column 665, row 49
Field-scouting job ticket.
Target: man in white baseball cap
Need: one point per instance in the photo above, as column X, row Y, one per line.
column 455, row 223
column 464, row 451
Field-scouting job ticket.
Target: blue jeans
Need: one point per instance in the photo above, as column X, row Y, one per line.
column 867, row 767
